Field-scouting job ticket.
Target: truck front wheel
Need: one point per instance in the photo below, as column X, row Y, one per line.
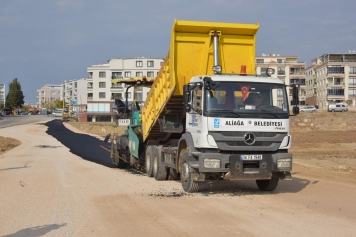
column 268, row 184
column 186, row 175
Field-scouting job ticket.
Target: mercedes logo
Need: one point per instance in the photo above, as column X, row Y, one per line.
column 249, row 139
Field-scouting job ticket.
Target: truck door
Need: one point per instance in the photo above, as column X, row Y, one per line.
column 194, row 117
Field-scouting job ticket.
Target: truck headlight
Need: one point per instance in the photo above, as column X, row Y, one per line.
column 284, row 163
column 212, row 163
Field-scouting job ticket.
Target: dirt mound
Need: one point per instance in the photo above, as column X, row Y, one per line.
column 7, row 143
column 323, row 121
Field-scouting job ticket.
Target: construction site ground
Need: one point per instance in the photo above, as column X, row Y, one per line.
column 323, row 144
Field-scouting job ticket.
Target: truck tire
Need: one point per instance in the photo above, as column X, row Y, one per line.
column 159, row 170
column 186, row 176
column 149, row 160
column 268, row 184
column 118, row 162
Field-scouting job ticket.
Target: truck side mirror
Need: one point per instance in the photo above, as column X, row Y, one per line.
column 295, row 110
column 295, row 96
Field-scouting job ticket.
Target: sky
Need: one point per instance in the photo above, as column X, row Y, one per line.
column 49, row 41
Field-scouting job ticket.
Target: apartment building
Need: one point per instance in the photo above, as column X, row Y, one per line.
column 331, row 79
column 74, row 94
column 101, row 93
column 288, row 69
column 2, row 94
column 48, row 93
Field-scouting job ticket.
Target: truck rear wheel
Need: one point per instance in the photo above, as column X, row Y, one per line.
column 159, row 170
column 268, row 184
column 149, row 160
column 186, row 175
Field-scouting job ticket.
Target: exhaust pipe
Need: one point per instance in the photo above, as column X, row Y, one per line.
column 216, row 67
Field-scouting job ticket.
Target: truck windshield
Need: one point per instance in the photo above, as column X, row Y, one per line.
column 247, row 98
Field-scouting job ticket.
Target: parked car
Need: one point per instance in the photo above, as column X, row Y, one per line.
column 337, row 108
column 24, row 113
column 57, row 113
column 1, row 114
column 310, row 109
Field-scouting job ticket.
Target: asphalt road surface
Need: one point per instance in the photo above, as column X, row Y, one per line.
column 59, row 183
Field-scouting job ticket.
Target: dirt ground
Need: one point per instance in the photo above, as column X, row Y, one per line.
column 323, row 144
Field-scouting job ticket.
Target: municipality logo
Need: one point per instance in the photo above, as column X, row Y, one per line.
column 216, row 123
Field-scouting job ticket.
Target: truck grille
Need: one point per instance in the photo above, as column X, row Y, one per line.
column 234, row 141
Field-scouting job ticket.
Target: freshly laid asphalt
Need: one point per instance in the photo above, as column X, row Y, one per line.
column 85, row 146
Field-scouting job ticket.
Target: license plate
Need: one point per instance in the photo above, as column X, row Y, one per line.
column 251, row 157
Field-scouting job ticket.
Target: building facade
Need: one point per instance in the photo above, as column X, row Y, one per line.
column 101, row 93
column 48, row 93
column 2, row 95
column 288, row 69
column 331, row 79
column 74, row 95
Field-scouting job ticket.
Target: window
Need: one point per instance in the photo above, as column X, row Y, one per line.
column 337, row 81
column 161, row 64
column 53, row 92
column 196, row 100
column 117, row 85
column 139, row 97
column 150, row 64
column 116, row 96
column 352, row 81
column 352, row 70
column 336, row 91
column 139, row 64
column 281, row 71
column 127, row 74
column 336, row 69
column 128, row 95
column 116, row 75
column 280, row 92
column 150, row 74
column 260, row 60
column 263, row 70
column 102, row 95
column 352, row 92
column 102, row 74
column 90, row 85
column 280, row 60
column 75, row 84
column 90, row 95
column 139, row 74
column 102, row 85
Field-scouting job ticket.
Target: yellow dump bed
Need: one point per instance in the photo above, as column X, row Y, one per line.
column 191, row 54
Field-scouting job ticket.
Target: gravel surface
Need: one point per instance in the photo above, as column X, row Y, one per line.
column 49, row 189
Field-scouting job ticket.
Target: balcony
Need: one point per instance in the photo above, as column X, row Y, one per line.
column 90, row 87
column 90, row 98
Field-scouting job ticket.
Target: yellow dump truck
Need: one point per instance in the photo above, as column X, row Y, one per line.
column 208, row 115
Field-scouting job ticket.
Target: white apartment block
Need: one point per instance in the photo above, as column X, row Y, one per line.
column 2, row 94
column 287, row 69
column 48, row 93
column 101, row 93
column 74, row 94
column 331, row 79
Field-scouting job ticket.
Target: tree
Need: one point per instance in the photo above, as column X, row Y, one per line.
column 58, row 104
column 15, row 97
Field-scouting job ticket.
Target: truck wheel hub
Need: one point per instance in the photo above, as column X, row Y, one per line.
column 185, row 172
